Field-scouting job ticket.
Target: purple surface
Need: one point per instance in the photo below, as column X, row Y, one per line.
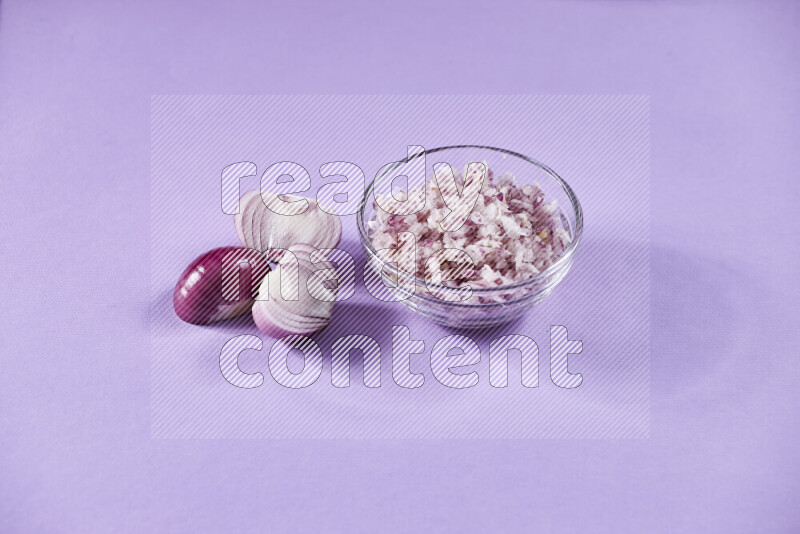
column 598, row 143
column 75, row 447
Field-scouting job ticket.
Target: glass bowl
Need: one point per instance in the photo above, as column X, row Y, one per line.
column 511, row 300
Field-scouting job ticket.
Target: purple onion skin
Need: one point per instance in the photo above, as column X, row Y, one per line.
column 198, row 297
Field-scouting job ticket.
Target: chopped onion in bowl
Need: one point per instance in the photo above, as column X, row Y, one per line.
column 512, row 234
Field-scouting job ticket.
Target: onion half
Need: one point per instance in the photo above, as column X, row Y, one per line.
column 260, row 228
column 311, row 311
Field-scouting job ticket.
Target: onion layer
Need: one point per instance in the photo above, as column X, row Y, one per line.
column 260, row 228
column 291, row 301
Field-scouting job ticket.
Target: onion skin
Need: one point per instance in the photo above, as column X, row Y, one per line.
column 198, row 296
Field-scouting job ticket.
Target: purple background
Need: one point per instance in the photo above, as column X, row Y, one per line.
column 75, row 447
column 599, row 144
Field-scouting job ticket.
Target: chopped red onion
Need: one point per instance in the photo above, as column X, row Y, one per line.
column 511, row 235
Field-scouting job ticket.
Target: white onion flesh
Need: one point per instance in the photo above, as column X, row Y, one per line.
column 260, row 228
column 277, row 316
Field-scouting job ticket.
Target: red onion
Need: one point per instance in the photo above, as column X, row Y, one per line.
column 511, row 234
column 313, row 305
column 200, row 297
column 260, row 228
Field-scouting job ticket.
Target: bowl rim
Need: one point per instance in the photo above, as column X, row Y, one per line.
column 556, row 266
